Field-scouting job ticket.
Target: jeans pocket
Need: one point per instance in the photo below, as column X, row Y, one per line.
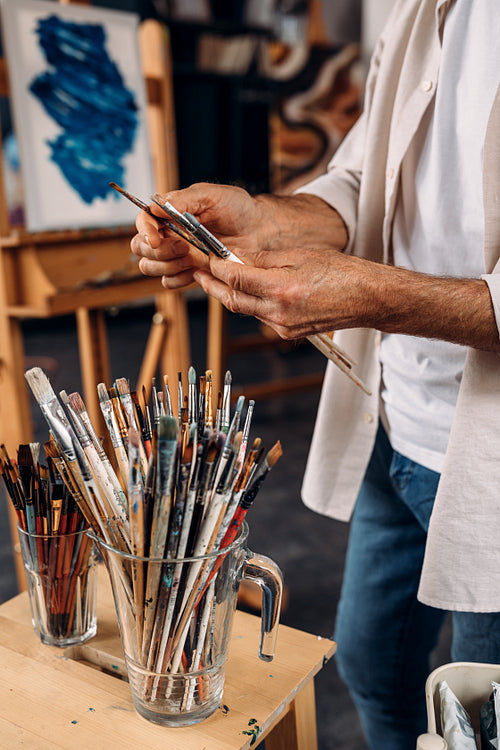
column 401, row 471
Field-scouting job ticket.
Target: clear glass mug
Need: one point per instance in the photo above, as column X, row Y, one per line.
column 175, row 619
column 61, row 578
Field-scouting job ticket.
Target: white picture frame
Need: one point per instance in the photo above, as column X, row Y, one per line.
column 93, row 76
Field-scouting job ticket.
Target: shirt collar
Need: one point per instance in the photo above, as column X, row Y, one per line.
column 442, row 8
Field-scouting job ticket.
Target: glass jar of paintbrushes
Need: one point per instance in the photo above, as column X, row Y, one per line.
column 175, row 617
column 170, row 524
column 58, row 557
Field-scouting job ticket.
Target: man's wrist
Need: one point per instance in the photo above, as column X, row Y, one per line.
column 303, row 220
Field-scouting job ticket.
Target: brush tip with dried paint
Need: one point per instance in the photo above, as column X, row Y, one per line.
column 167, row 428
column 134, row 437
column 102, row 392
column 122, row 386
column 39, row 384
column 77, row 402
column 274, row 453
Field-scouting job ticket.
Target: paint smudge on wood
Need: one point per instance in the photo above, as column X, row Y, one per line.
column 253, row 732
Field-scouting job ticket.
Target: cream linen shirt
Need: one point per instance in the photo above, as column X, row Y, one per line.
column 461, row 568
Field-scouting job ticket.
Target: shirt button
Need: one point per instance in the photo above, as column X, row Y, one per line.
column 390, row 173
column 426, row 86
column 368, row 418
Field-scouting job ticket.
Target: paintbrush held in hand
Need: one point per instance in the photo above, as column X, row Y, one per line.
column 181, row 488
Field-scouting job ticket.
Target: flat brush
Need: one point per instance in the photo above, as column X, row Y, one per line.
column 111, row 501
column 108, row 413
column 80, row 409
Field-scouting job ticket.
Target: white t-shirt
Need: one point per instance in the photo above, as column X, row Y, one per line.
column 438, row 227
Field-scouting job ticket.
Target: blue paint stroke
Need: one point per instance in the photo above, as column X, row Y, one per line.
column 84, row 93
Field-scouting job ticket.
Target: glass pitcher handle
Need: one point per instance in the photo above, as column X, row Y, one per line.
column 265, row 573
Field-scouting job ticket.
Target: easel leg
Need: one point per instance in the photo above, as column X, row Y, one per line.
column 94, row 359
column 152, row 353
column 168, row 342
column 216, row 341
column 176, row 354
column 15, row 415
column 297, row 730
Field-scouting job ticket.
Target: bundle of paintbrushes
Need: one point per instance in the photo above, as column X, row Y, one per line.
column 182, row 488
column 57, row 553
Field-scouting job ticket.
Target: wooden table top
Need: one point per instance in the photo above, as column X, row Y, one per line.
column 75, row 698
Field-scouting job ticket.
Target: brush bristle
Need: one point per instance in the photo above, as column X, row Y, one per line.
column 273, row 455
column 228, row 378
column 102, row 392
column 167, row 428
column 64, row 397
column 51, row 449
column 122, row 386
column 40, row 385
column 192, row 376
column 35, row 452
column 24, row 455
column 77, row 402
column 134, row 438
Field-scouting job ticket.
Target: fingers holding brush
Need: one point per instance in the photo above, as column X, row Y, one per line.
column 163, row 253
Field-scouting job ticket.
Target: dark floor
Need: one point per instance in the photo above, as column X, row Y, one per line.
column 308, row 548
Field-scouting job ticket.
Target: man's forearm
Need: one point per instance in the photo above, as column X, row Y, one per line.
column 457, row 310
column 293, row 221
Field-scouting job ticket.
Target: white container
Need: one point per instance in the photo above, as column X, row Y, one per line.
column 470, row 682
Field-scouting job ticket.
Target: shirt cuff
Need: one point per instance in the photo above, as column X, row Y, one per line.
column 493, row 281
column 340, row 196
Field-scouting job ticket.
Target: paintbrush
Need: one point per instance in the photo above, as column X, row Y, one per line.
column 119, row 415
column 250, row 494
column 13, row 490
column 136, row 516
column 80, row 409
column 168, row 401
column 167, row 449
column 209, row 417
column 123, row 390
column 65, row 471
column 180, row 395
column 192, row 400
column 59, row 427
column 218, row 412
column 110, row 501
column 108, row 413
column 167, row 595
column 201, row 404
column 147, row 413
column 226, row 403
column 154, row 403
column 187, row 490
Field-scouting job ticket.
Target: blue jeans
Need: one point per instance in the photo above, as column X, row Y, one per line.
column 384, row 635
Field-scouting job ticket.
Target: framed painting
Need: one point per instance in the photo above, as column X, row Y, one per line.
column 79, row 109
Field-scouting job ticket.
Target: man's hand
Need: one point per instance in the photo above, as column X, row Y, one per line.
column 301, row 292
column 246, row 225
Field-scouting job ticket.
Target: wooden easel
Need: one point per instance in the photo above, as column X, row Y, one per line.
column 56, row 273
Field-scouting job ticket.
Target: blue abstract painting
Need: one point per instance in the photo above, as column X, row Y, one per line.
column 79, row 106
column 83, row 92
